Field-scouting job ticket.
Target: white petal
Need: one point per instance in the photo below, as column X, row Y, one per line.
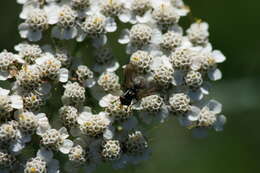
column 214, row 106
column 184, row 121
column 124, row 37
column 45, row 88
column 204, row 25
column 83, row 117
column 109, row 67
column 208, row 48
column 43, row 124
column 124, row 17
column 81, row 36
column 204, row 91
column 86, row 109
column 4, row 92
column 195, row 95
column 196, row 64
column 113, row 67
column 100, row 41
column 64, row 133
column 68, row 34
column 193, row 114
column 177, row 78
column 111, row 25
column 41, row 60
column 16, row 146
column 218, row 56
column 34, row 35
column 63, row 75
column 25, row 11
column 109, row 133
column 66, row 146
column 182, row 11
column 41, row 117
column 176, row 29
column 52, row 11
column 26, row 138
column 17, row 101
column 4, row 75
column 89, row 83
column 130, row 48
column 215, row 74
column 21, row 1
column 106, row 100
column 157, row 37
column 19, row 59
column 221, row 120
column 145, row 18
column 163, row 114
column 45, row 154
column 23, row 30
column 205, row 88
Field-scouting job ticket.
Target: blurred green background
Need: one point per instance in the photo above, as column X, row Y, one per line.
column 235, row 30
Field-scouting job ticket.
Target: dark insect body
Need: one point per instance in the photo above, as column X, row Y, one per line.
column 134, row 86
column 128, row 96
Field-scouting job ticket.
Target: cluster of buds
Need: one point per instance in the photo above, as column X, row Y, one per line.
column 66, row 95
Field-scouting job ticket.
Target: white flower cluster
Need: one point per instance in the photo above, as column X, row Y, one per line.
column 99, row 116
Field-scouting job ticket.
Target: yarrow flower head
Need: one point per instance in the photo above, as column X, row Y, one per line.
column 36, row 22
column 68, row 90
column 66, row 24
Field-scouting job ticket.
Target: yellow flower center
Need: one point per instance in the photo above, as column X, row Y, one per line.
column 136, row 58
column 110, row 2
column 22, row 117
column 33, row 170
column 87, row 124
column 98, row 20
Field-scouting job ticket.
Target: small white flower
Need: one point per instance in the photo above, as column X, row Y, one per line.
column 207, row 61
column 28, row 52
column 85, row 76
column 139, row 11
column 105, row 60
column 152, row 109
column 46, row 158
column 74, row 94
column 36, row 22
column 140, row 36
column 7, row 61
column 94, row 125
column 51, row 68
column 109, row 82
column 207, row 116
column 198, row 33
column 96, row 26
column 9, row 102
column 57, row 140
column 66, row 24
column 43, row 124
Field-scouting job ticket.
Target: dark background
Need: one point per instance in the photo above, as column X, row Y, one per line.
column 234, row 28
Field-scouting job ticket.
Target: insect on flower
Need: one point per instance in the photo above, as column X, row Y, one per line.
column 135, row 86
